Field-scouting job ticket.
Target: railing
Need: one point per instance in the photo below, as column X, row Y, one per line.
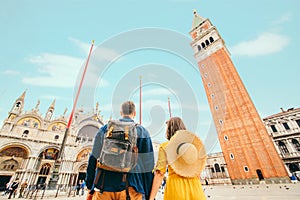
column 290, row 155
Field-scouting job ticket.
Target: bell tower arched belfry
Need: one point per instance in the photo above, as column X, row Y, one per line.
column 248, row 150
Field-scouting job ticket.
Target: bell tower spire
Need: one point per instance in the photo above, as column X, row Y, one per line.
column 50, row 111
column 197, row 20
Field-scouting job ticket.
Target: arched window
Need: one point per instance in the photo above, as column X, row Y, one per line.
column 217, row 167
column 199, row 47
column 286, row 126
column 298, row 122
column 45, row 169
column 56, row 137
column 282, row 147
column 25, row 133
column 211, row 39
column 293, row 167
column 296, row 144
column 259, row 174
column 17, row 106
column 225, row 137
column 50, row 154
column 222, row 169
column 206, row 42
column 203, row 45
column 88, row 131
column 273, row 127
column 9, row 165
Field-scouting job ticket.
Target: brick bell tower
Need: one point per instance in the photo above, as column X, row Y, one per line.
column 248, row 149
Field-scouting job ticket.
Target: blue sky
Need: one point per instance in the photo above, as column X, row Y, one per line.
column 44, row 45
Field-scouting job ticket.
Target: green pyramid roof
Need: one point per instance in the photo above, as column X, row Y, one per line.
column 197, row 20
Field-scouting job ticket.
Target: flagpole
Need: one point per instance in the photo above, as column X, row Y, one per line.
column 169, row 105
column 55, row 174
column 140, row 99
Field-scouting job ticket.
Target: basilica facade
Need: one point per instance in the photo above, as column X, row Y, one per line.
column 31, row 141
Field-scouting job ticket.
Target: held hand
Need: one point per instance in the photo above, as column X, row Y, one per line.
column 89, row 196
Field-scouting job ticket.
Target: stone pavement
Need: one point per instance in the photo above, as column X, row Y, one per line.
column 224, row 192
column 254, row 192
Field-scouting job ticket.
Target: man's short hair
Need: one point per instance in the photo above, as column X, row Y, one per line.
column 128, row 108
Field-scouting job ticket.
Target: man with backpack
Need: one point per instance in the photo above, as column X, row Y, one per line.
column 120, row 165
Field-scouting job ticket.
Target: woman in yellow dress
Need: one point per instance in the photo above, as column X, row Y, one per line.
column 184, row 157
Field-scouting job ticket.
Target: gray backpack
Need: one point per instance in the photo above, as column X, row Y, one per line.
column 119, row 151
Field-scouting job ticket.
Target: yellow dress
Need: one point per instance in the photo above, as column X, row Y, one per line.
column 178, row 187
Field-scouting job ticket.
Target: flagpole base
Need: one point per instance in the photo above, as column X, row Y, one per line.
column 55, row 175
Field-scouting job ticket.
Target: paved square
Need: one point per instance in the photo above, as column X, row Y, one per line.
column 227, row 192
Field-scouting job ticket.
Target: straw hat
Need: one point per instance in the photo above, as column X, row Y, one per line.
column 186, row 154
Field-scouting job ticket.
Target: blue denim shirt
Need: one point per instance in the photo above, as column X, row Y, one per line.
column 140, row 178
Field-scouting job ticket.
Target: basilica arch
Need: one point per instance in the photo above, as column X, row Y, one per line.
column 12, row 158
column 81, row 163
column 45, row 161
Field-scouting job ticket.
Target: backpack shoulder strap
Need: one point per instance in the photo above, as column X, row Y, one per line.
column 97, row 177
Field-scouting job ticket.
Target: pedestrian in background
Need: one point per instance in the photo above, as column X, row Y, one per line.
column 13, row 188
column 23, row 187
column 82, row 186
column 78, row 187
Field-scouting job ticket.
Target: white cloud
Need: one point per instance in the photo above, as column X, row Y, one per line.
column 264, row 44
column 62, row 71
column 106, row 54
column 11, row 72
column 55, row 70
column 84, row 47
column 284, row 18
column 101, row 53
column 93, row 77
